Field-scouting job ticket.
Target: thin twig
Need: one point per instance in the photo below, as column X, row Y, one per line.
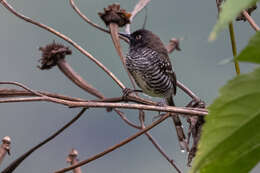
column 22, row 86
column 192, row 111
column 110, row 149
column 19, row 160
column 123, row 117
column 84, row 17
column 138, row 7
column 156, row 144
column 250, row 20
column 178, row 110
column 5, row 92
column 160, row 149
column 187, row 91
column 170, row 48
column 77, row 79
column 113, row 27
column 99, row 64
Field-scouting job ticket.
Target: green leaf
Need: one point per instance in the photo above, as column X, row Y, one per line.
column 252, row 51
column 230, row 10
column 230, row 140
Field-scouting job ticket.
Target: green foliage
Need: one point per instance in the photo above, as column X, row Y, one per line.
column 230, row 140
column 252, row 51
column 230, row 10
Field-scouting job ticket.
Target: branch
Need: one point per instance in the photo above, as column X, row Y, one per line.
column 77, row 79
column 110, row 149
column 22, row 86
column 187, row 91
column 5, row 92
column 19, row 160
column 72, row 3
column 138, row 7
column 179, row 110
column 62, row 36
column 250, row 20
column 155, row 143
column 113, row 27
column 123, row 117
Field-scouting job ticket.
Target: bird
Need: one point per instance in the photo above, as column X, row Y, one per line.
column 149, row 64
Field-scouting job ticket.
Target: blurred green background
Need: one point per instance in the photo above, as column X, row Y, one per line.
column 29, row 123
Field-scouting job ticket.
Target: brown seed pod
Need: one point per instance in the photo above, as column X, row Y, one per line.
column 114, row 14
column 51, row 54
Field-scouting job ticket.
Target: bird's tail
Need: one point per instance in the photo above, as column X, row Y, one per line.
column 178, row 127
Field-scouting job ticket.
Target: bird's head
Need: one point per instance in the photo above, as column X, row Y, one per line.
column 144, row 38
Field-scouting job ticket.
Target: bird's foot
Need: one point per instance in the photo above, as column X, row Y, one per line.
column 161, row 104
column 128, row 91
column 197, row 103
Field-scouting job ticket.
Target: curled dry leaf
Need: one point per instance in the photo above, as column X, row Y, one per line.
column 51, row 54
column 195, row 127
column 114, row 14
column 174, row 44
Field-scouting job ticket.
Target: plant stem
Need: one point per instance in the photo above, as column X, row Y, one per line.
column 234, row 48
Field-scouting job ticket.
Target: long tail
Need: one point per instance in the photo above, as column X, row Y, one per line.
column 178, row 127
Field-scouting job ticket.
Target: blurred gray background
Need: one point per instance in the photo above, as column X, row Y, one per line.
column 29, row 123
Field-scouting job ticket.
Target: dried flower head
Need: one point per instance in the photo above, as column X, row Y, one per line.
column 249, row 11
column 6, row 140
column 113, row 14
column 51, row 54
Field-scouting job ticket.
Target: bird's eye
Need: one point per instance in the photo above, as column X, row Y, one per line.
column 138, row 37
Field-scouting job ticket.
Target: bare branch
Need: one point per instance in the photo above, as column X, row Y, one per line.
column 72, row 3
column 20, row 85
column 179, row 110
column 123, row 117
column 19, row 160
column 5, row 92
column 110, row 149
column 138, row 7
column 155, row 143
column 160, row 149
column 250, row 20
column 77, row 79
column 83, row 51
column 113, row 27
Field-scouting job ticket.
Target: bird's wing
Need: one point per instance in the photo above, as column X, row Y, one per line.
column 167, row 67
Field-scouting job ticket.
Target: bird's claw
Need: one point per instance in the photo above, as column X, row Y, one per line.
column 127, row 92
column 161, row 104
column 197, row 103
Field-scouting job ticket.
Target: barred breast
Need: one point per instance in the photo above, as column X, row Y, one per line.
column 149, row 71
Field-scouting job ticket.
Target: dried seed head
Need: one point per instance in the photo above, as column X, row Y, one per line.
column 51, row 54
column 6, row 140
column 249, row 11
column 72, row 156
column 113, row 14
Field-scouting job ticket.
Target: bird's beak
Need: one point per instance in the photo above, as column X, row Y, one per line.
column 128, row 36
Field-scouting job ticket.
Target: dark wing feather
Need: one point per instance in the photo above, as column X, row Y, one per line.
column 166, row 65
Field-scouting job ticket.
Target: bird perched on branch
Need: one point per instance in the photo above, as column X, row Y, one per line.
column 149, row 64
